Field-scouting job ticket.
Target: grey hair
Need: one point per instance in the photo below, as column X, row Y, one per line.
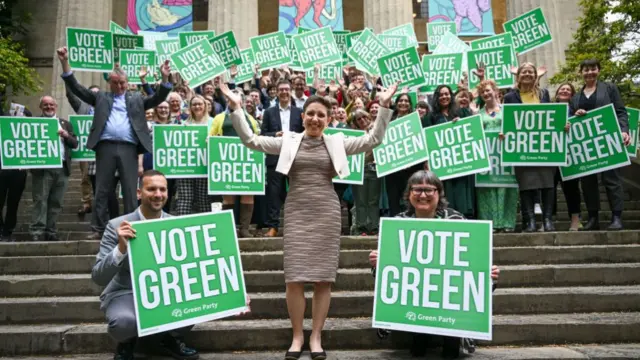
column 42, row 98
column 430, row 178
column 118, row 71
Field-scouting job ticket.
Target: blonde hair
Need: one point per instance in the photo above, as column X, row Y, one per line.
column 536, row 86
column 191, row 119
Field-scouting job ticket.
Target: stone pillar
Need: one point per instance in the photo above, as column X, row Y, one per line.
column 94, row 14
column 241, row 16
column 381, row 15
column 562, row 17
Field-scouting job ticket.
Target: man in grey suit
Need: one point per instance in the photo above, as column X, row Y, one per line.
column 118, row 134
column 112, row 270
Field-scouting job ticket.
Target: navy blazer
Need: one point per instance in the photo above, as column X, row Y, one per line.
column 271, row 124
column 513, row 97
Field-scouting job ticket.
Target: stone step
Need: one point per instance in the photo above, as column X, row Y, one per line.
column 347, row 279
column 77, row 246
column 343, row 304
column 273, row 260
column 252, row 335
column 603, row 215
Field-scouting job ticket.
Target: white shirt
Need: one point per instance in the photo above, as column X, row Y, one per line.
column 62, row 148
column 285, row 117
column 299, row 101
column 117, row 255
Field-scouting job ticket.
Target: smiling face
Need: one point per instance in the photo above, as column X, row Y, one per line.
column 148, row 115
column 590, row 73
column 341, row 114
column 153, row 193
column 162, row 111
column 48, row 106
column 463, row 100
column 445, row 98
column 315, row 119
column 424, row 198
column 255, row 95
column 422, row 111
column 527, row 75
column 358, row 104
column 488, row 94
column 208, row 90
column 284, row 93
column 175, row 102
column 564, row 93
column 197, row 107
column 248, row 104
column 362, row 120
column 118, row 83
column 404, row 104
column 373, row 110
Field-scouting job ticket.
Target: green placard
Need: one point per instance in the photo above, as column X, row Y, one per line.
column 594, row 144
column 302, row 30
column 434, row 276
column 498, row 176
column 356, row 162
column 198, row 63
column 534, row 135
column 245, row 70
column 394, row 42
column 341, row 41
column 234, row 169
column 89, row 49
column 403, row 66
column 131, row 61
column 436, row 31
column 458, row 148
column 351, row 38
column 317, row 47
column 30, row 143
column 189, row 37
column 180, row 151
column 226, row 47
column 166, row 48
column 185, row 270
column 403, row 146
column 406, row 30
column 270, row 50
column 117, row 29
column 293, row 52
column 504, row 39
column 125, row 41
column 152, row 37
column 82, row 128
column 443, row 69
column 634, row 118
column 498, row 62
column 529, row 30
column 326, row 73
column 366, row 50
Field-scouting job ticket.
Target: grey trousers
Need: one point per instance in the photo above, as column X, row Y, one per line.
column 48, row 188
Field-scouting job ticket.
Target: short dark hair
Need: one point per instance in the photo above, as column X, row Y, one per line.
column 254, row 90
column 281, row 82
column 589, row 63
column 271, row 86
column 319, row 100
column 425, row 177
column 150, row 173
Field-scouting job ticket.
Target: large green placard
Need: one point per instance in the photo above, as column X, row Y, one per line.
column 234, row 169
column 295, row 60
column 198, row 63
column 394, row 43
column 341, row 40
column 498, row 176
column 245, row 70
column 226, row 47
column 405, row 30
column 402, row 66
column 180, row 151
column 117, row 29
column 125, row 41
column 166, row 48
column 82, row 128
column 89, row 49
column 436, row 32
column 634, row 118
column 270, row 50
column 498, row 62
column 317, row 47
column 30, row 143
column 445, row 69
column 326, row 73
column 434, row 276
column 185, row 270
column 403, row 146
column 457, row 148
column 189, row 37
column 132, row 61
column 594, row 144
column 366, row 50
column 504, row 39
column 356, row 162
column 534, row 135
column 529, row 31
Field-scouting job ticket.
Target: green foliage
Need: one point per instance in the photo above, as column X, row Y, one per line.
column 597, row 38
column 15, row 71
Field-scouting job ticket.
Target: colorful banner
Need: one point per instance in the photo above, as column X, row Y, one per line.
column 89, row 49
column 270, row 50
column 180, row 151
column 164, row 16
column 498, row 63
column 30, row 143
column 310, row 14
column 443, row 69
column 403, row 146
column 82, row 127
column 434, row 276
column 472, row 18
column 234, row 169
column 356, row 162
column 198, row 63
column 436, row 32
column 185, row 270
column 529, row 31
column 634, row 118
column 498, row 176
column 132, row 61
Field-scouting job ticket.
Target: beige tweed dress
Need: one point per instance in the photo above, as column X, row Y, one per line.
column 311, row 216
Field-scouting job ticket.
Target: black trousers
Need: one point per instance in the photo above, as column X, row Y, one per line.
column 613, row 186
column 276, row 195
column 12, row 183
column 113, row 208
column 571, row 191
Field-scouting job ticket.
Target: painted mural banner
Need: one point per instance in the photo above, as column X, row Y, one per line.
column 472, row 18
column 169, row 17
column 234, row 169
column 180, row 152
column 30, row 143
column 356, row 162
column 498, row 176
column 82, row 127
column 89, row 49
column 445, row 69
column 310, row 14
column 198, row 63
column 529, row 31
column 270, row 50
column 436, row 31
column 403, row 146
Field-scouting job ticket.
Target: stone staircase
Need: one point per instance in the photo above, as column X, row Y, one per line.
column 560, row 296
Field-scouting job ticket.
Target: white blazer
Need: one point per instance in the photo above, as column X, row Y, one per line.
column 288, row 144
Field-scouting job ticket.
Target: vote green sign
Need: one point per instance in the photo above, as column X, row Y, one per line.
column 634, row 118
column 117, row 29
column 403, row 146
column 498, row 62
column 405, row 30
column 165, row 48
column 498, row 176
column 351, row 38
column 504, row 39
column 234, row 169
column 394, row 42
column 189, row 37
column 529, row 30
column 125, row 41
column 356, row 162
column 341, row 40
column 245, row 70
column 180, row 151
column 445, row 69
column 534, row 135
column 434, row 276
column 132, row 61
column 198, row 63
column 366, row 50
column 226, row 47
column 185, row 270
column 295, row 59
column 270, row 50
column 82, row 127
column 403, row 66
column 30, row 143
column 436, row 31
column 457, row 148
column 317, row 47
column 326, row 73
column 594, row 144
column 90, row 50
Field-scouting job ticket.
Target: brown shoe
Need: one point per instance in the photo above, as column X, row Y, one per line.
column 273, row 232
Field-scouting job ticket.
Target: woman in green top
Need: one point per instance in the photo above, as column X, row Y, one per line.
column 498, row 204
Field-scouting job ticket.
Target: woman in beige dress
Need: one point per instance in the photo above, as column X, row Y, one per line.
column 311, row 242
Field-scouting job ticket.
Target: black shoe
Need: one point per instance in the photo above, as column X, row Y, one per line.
column 95, row 236
column 7, row 238
column 548, row 225
column 531, row 226
column 419, row 345
column 592, row 224
column 176, row 348
column 37, row 238
column 292, row 355
column 322, row 355
column 52, row 237
column 450, row 347
column 124, row 351
column 616, row 224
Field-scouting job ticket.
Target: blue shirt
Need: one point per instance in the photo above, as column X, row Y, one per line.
column 118, row 126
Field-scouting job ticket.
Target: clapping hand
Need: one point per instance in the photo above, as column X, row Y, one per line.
column 165, row 70
column 235, row 100
column 480, row 70
column 385, row 96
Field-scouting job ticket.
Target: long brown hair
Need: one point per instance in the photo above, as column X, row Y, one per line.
column 536, row 85
column 573, row 90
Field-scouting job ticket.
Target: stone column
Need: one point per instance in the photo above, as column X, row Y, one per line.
column 381, row 15
column 562, row 17
column 94, row 14
column 240, row 16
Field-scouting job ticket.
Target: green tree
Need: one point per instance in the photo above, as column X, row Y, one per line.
column 609, row 30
